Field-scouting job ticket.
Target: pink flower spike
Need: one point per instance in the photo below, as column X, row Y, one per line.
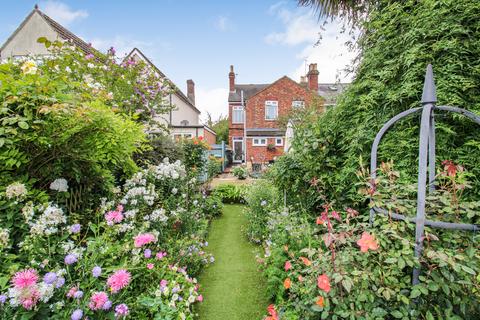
column 25, row 278
column 119, row 280
column 367, row 241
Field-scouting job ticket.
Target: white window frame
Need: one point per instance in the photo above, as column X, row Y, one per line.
column 277, row 143
column 298, row 104
column 257, row 142
column 242, row 112
column 269, row 104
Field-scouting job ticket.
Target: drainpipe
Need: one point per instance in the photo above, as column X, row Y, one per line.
column 244, row 128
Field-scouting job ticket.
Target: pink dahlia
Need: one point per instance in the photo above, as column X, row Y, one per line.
column 119, row 280
column 113, row 217
column 25, row 278
column 98, row 300
column 143, row 239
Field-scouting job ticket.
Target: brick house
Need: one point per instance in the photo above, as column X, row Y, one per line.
column 257, row 129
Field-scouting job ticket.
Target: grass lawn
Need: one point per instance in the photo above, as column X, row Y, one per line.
column 232, row 287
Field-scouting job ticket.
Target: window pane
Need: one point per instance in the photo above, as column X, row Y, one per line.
column 237, row 115
column 271, row 110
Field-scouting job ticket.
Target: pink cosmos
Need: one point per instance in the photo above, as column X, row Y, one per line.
column 288, row 265
column 163, row 283
column 119, row 280
column 25, row 278
column 113, row 217
column 200, row 298
column 143, row 239
column 98, row 300
column 150, row 266
column 160, row 255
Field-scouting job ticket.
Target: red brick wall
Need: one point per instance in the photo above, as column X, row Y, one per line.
column 262, row 154
column 209, row 137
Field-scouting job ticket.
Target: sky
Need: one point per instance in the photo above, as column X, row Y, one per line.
column 200, row 39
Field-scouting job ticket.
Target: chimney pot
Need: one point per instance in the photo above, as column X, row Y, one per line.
column 231, row 78
column 191, row 91
column 312, row 76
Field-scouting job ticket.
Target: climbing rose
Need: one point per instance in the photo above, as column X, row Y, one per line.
column 119, row 280
column 287, row 283
column 288, row 265
column 323, row 283
column 25, row 278
column 320, row 302
column 367, row 241
column 272, row 312
column 143, row 239
column 306, row 261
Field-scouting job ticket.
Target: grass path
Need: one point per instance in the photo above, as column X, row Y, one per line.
column 233, row 287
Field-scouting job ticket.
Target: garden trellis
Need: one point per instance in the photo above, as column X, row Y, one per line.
column 426, row 164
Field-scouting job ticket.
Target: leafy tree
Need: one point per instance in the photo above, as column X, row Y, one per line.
column 220, row 126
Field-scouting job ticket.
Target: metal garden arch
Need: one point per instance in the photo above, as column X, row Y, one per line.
column 426, row 159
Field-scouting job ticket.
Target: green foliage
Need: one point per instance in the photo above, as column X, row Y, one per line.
column 400, row 38
column 230, row 193
column 194, row 151
column 214, row 167
column 240, row 172
column 160, row 146
column 221, row 129
column 261, row 197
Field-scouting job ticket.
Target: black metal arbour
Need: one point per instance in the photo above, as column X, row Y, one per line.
column 426, row 164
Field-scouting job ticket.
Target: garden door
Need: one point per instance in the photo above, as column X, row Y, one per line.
column 237, row 150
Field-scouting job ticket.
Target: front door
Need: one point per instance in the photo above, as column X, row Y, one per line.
column 237, row 150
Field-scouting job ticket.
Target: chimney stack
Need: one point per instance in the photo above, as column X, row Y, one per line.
column 191, row 91
column 312, row 76
column 231, row 77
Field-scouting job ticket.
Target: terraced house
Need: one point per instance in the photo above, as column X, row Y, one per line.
column 255, row 132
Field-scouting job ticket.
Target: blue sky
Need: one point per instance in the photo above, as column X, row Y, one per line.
column 200, row 39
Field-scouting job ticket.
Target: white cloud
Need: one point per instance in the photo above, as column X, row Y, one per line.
column 62, row 13
column 212, row 100
column 223, row 23
column 324, row 45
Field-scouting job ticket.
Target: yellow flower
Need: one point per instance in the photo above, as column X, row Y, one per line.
column 29, row 67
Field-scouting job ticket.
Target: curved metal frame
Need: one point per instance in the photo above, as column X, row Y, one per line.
column 426, row 159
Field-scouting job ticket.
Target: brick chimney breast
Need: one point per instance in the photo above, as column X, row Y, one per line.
column 231, row 77
column 191, row 91
column 312, row 77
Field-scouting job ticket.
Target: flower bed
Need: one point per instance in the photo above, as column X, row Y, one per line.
column 137, row 255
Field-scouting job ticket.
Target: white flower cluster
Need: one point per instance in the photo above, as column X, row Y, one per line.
column 28, row 212
column 15, row 190
column 166, row 169
column 4, row 237
column 48, row 221
column 157, row 215
column 147, row 194
column 59, row 185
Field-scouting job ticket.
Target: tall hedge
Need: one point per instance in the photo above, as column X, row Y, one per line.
column 399, row 39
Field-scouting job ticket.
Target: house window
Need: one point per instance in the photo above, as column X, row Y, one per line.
column 237, row 114
column 298, row 104
column 259, row 142
column 179, row 136
column 271, row 110
column 278, row 142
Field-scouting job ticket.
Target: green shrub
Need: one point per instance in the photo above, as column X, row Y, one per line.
column 240, row 172
column 261, row 197
column 214, row 167
column 159, row 147
column 230, row 193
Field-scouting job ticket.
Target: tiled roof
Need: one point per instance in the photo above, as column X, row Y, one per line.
column 248, row 91
column 331, row 91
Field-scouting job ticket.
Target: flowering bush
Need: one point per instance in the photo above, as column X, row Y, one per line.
column 135, row 257
column 336, row 265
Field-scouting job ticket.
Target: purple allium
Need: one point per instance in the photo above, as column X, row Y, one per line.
column 50, row 277
column 75, row 228
column 60, row 282
column 107, row 305
column 147, row 253
column 71, row 258
column 3, row 298
column 121, row 310
column 77, row 314
column 96, row 271
column 78, row 294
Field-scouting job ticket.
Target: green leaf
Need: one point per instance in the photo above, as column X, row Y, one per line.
column 391, row 260
column 23, row 125
column 396, row 314
column 468, row 270
column 415, row 293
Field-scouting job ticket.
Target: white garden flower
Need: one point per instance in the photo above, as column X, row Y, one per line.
column 60, row 185
column 28, row 212
column 48, row 221
column 15, row 190
column 29, row 67
column 4, row 237
column 68, row 70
